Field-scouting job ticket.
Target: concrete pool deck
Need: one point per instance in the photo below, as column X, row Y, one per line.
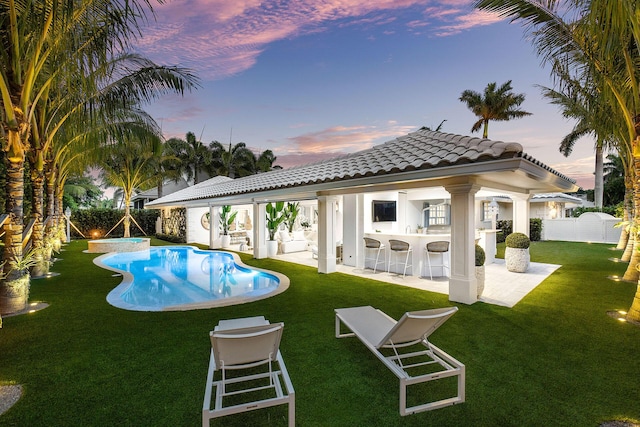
column 501, row 287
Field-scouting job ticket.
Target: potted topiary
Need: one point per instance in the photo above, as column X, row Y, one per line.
column 274, row 219
column 226, row 219
column 480, row 258
column 516, row 253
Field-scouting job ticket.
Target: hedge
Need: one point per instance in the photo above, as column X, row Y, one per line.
column 97, row 222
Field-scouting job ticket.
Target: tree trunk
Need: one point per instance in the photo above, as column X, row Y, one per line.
column 627, row 215
column 634, row 312
column 127, row 216
column 13, row 234
column 41, row 266
column 599, row 184
column 160, row 189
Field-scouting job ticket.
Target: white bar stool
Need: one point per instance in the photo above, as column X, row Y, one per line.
column 371, row 246
column 399, row 247
column 441, row 248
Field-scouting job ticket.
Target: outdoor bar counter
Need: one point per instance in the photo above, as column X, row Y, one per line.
column 418, row 243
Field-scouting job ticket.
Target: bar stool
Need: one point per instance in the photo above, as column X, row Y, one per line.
column 399, row 247
column 441, row 248
column 373, row 245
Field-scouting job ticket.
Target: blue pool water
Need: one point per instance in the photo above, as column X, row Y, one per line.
column 183, row 277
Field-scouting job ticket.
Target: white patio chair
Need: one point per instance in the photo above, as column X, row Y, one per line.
column 378, row 331
column 247, row 347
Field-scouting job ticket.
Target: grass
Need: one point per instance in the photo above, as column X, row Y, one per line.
column 556, row 358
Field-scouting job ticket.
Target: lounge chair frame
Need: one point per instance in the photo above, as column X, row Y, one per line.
column 378, row 331
column 277, row 378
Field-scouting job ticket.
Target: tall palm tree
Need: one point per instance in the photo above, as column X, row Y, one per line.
column 41, row 41
column 195, row 157
column 235, row 162
column 579, row 99
column 604, row 38
column 498, row 104
column 265, row 162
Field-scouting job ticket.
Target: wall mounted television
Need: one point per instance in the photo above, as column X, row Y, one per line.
column 383, row 210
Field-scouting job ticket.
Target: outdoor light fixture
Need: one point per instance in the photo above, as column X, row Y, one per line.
column 494, row 210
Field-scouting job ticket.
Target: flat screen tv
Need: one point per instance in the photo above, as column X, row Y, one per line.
column 384, row 210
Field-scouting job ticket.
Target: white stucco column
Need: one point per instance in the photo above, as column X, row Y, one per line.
column 259, row 230
column 327, row 206
column 521, row 213
column 353, row 227
column 462, row 283
column 214, row 231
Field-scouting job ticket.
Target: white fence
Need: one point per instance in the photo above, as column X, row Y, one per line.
column 589, row 227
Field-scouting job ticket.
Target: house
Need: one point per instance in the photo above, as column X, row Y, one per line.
column 139, row 200
column 429, row 178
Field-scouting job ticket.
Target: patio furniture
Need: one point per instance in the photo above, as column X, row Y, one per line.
column 374, row 247
column 441, row 248
column 404, row 348
column 398, row 248
column 247, row 344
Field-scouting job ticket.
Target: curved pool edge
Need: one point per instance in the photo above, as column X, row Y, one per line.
column 113, row 297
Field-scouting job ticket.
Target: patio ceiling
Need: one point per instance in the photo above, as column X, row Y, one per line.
column 420, row 159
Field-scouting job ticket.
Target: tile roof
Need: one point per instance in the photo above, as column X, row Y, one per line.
column 419, row 150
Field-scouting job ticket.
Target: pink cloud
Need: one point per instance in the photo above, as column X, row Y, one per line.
column 345, row 139
column 220, row 38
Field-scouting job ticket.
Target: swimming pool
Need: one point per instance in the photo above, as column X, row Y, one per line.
column 173, row 278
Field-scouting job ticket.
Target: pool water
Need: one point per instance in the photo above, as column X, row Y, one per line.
column 183, row 278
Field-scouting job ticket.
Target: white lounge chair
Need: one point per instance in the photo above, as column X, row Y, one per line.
column 240, row 344
column 378, row 331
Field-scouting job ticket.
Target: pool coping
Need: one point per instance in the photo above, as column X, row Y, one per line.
column 113, row 297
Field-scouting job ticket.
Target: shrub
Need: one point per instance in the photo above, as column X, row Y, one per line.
column 535, row 229
column 171, row 238
column 506, row 227
column 518, row 241
column 480, row 256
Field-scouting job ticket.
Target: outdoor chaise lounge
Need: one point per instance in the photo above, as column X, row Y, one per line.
column 247, row 344
column 378, row 332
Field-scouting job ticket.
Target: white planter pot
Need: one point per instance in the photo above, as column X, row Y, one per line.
column 516, row 259
column 272, row 248
column 226, row 241
column 480, row 279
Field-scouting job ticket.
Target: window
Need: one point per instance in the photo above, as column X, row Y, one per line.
column 437, row 214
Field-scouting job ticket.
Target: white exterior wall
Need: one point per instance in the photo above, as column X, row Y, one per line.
column 196, row 233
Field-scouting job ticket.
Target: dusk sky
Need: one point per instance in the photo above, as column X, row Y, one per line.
column 313, row 79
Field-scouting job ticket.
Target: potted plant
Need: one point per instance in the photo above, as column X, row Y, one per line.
column 516, row 253
column 226, row 219
column 14, row 292
column 274, row 218
column 290, row 214
column 479, row 263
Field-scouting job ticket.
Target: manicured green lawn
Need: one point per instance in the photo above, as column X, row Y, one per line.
column 554, row 359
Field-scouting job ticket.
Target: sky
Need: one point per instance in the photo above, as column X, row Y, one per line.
column 314, row 79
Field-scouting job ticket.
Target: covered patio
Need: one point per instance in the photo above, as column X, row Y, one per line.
column 458, row 167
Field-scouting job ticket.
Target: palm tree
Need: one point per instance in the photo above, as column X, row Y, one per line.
column 265, row 162
column 604, row 39
column 130, row 165
column 235, row 162
column 41, row 43
column 495, row 104
column 613, row 176
column 195, row 157
column 579, row 99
